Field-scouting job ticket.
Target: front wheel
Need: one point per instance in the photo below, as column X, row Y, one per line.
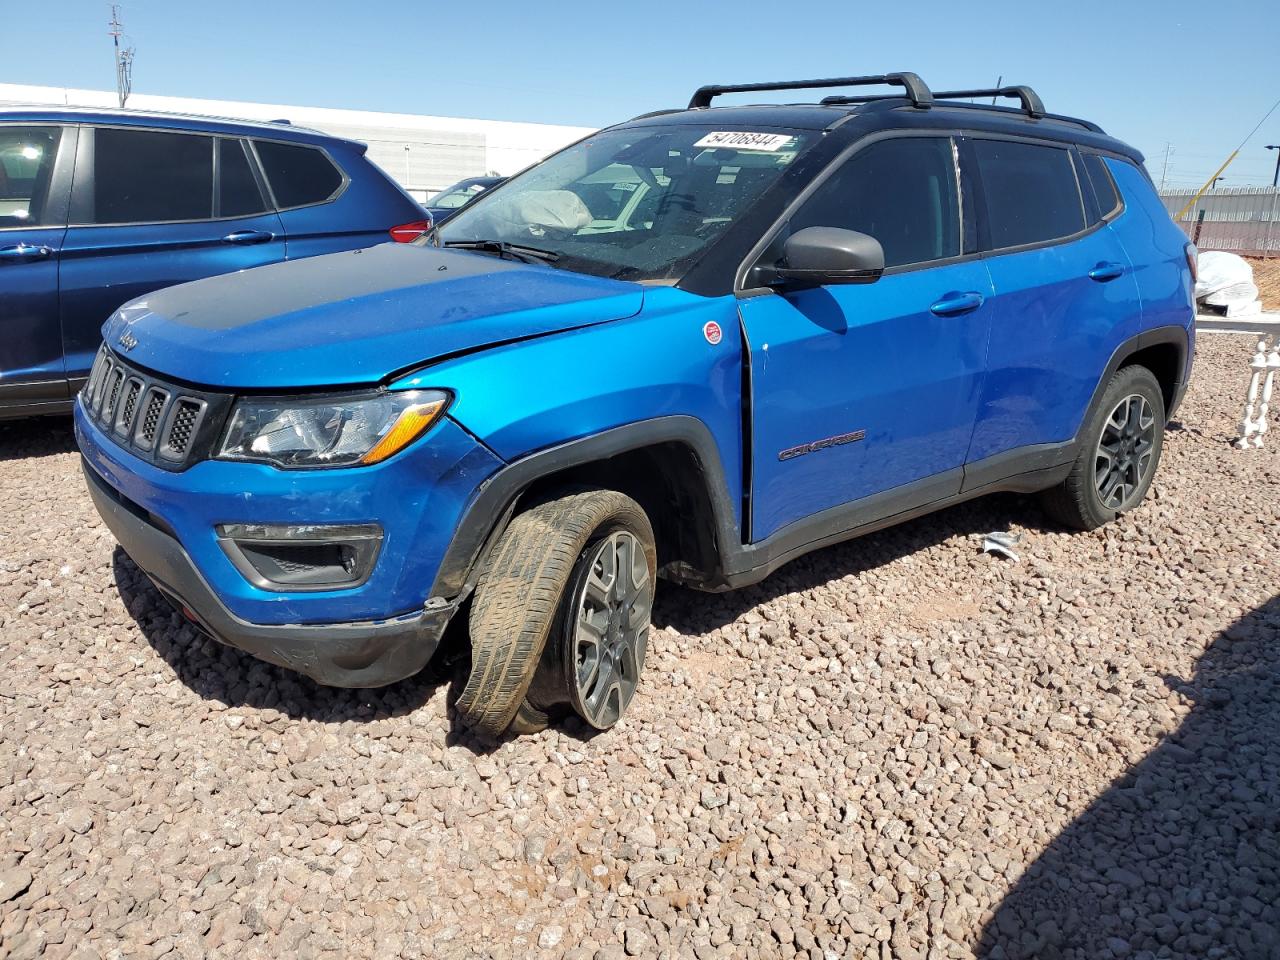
column 561, row 617
column 1119, row 452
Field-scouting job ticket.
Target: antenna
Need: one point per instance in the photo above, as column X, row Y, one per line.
column 124, row 58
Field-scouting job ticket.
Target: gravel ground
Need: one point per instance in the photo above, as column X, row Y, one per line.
column 899, row 747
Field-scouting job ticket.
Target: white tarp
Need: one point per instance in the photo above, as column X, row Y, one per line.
column 1225, row 280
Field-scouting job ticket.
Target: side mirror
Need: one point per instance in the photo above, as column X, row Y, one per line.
column 821, row 255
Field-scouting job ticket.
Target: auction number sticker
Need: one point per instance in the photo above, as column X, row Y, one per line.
column 744, row 140
column 711, row 330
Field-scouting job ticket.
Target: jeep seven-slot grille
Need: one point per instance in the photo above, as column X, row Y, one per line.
column 168, row 424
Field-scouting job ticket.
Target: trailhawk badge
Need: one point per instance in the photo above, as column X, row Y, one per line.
column 711, row 330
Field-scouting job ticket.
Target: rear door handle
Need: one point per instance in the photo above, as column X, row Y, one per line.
column 249, row 236
column 1105, row 271
column 954, row 304
column 22, row 252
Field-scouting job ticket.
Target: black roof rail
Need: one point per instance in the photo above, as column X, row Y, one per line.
column 1031, row 101
column 917, row 90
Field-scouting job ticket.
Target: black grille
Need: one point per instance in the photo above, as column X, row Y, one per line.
column 169, row 424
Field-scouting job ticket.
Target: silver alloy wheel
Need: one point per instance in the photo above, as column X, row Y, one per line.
column 1123, row 457
column 610, row 629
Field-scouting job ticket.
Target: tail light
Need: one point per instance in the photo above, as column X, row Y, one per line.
column 1193, row 258
column 409, row 232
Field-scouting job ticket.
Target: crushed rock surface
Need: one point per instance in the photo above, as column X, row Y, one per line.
column 898, row 747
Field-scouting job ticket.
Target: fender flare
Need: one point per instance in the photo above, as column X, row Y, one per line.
column 493, row 504
column 1172, row 334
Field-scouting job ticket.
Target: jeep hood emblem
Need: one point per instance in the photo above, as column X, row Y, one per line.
column 127, row 340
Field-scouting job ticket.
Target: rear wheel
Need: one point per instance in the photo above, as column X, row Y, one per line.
column 561, row 617
column 1119, row 453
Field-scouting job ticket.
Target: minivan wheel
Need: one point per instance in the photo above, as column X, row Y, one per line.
column 1119, row 452
column 560, row 619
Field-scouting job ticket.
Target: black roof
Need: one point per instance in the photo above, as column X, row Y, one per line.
column 918, row 108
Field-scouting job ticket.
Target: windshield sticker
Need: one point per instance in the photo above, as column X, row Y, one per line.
column 743, row 140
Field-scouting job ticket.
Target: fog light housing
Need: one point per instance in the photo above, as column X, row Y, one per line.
column 302, row 557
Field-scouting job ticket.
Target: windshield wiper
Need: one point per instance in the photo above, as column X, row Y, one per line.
column 514, row 251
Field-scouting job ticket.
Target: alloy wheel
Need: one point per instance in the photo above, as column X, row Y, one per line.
column 1123, row 457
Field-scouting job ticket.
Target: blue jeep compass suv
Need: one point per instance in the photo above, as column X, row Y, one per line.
column 98, row 207
column 694, row 345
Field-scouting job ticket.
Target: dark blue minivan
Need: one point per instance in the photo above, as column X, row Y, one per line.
column 100, row 207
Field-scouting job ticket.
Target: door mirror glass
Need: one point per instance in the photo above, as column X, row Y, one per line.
column 822, row 255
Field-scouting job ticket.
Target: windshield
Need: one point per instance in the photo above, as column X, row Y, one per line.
column 453, row 197
column 634, row 204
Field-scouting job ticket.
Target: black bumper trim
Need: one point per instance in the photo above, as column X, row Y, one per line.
column 370, row 654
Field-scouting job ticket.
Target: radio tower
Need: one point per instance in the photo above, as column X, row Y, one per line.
column 124, row 58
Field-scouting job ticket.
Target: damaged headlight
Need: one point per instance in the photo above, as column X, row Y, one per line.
column 333, row 431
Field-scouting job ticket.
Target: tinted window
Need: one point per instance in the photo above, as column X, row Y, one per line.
column 238, row 193
column 26, row 164
column 1031, row 192
column 902, row 192
column 298, row 175
column 1104, row 187
column 143, row 176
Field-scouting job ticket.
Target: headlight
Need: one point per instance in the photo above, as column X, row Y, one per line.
column 335, row 431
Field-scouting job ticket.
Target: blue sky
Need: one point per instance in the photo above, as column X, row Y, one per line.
column 1194, row 75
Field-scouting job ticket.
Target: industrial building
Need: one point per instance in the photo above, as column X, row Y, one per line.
column 423, row 153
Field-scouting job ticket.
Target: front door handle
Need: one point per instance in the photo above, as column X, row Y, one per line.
column 23, row 252
column 249, row 237
column 1106, row 270
column 954, row 304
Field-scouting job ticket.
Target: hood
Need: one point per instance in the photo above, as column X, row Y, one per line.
column 355, row 318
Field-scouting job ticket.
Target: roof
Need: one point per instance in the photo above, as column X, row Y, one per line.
column 886, row 112
column 40, row 113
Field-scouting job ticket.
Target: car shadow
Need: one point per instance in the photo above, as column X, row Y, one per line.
column 1181, row 855
column 36, row 437
column 693, row 611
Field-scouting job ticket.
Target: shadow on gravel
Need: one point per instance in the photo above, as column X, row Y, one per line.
column 1181, row 856
column 222, row 673
column 692, row 611
column 37, row 437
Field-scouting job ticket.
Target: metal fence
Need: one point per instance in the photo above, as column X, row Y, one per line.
column 1242, row 220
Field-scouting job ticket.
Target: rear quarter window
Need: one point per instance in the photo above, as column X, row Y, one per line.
column 298, row 175
column 1104, row 188
column 1032, row 195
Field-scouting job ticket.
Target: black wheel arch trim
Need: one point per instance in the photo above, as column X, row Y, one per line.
column 1157, row 336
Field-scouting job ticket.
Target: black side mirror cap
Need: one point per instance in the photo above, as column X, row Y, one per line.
column 824, row 255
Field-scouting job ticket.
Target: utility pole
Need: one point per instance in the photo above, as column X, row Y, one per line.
column 124, row 57
column 1275, row 179
column 1164, row 171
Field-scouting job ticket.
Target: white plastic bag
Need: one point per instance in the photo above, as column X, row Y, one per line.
column 1224, row 277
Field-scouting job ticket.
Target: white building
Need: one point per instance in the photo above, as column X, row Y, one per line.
column 423, row 153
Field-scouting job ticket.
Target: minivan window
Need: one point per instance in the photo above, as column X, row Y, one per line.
column 26, row 164
column 148, row 176
column 298, row 175
column 1031, row 191
column 900, row 191
column 1104, row 187
column 238, row 193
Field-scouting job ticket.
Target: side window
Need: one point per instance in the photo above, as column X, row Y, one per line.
column 1031, row 192
column 901, row 191
column 146, row 176
column 26, row 165
column 238, row 193
column 298, row 175
column 1104, row 188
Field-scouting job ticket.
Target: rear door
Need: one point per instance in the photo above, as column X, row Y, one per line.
column 35, row 179
column 150, row 209
column 1065, row 297
column 872, row 389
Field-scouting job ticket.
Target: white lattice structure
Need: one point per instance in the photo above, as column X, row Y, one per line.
column 1257, row 404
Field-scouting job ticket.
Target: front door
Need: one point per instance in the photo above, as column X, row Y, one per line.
column 33, row 208
column 866, row 390
column 151, row 209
